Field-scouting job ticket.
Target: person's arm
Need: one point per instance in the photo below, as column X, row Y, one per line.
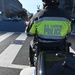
column 33, row 29
column 29, row 25
column 32, row 25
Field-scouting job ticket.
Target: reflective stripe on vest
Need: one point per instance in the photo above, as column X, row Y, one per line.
column 51, row 37
column 52, row 19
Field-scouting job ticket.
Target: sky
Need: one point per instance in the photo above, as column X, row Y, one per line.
column 31, row 5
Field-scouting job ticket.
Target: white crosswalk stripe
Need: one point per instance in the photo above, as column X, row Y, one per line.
column 22, row 36
column 6, row 35
column 8, row 55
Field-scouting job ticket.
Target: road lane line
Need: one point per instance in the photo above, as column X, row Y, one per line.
column 6, row 35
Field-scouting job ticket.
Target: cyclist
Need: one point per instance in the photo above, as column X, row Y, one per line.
column 51, row 24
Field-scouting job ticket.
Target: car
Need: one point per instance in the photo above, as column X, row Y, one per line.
column 16, row 19
column 7, row 19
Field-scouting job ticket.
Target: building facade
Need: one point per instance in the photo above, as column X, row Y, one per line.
column 15, row 7
column 10, row 7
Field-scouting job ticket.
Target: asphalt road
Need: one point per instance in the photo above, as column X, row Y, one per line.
column 14, row 52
